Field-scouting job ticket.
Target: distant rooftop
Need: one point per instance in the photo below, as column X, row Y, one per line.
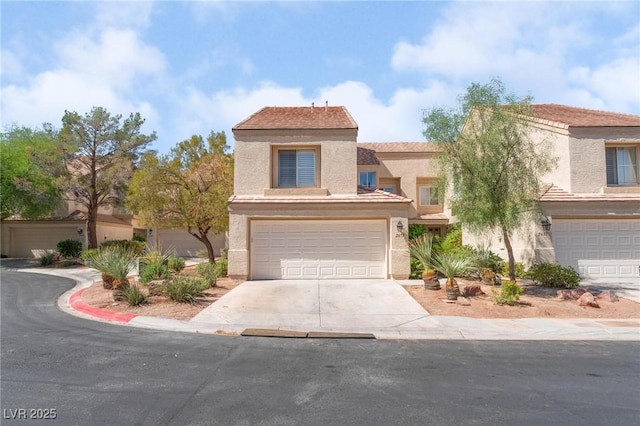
column 567, row 116
column 313, row 117
column 400, row 146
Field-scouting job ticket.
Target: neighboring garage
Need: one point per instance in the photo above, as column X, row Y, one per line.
column 182, row 243
column 28, row 239
column 307, row 249
column 599, row 248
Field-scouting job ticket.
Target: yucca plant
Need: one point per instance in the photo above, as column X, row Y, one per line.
column 452, row 266
column 420, row 249
column 133, row 295
column 114, row 263
column 156, row 255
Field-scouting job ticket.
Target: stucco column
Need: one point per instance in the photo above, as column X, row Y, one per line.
column 399, row 264
column 238, row 254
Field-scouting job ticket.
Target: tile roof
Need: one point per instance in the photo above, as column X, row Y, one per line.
column 365, row 195
column 367, row 157
column 313, row 117
column 400, row 146
column 567, row 116
column 553, row 193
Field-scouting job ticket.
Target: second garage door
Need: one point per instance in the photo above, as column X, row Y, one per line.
column 598, row 248
column 310, row 249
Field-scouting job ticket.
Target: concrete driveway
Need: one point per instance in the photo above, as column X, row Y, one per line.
column 315, row 305
column 624, row 287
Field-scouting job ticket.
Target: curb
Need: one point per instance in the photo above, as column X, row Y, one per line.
column 75, row 301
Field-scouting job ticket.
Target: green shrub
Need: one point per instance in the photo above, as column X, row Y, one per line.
column 69, row 248
column 519, row 269
column 133, row 295
column 139, row 238
column 553, row 275
column 453, row 240
column 47, row 258
column 485, row 258
column 509, row 294
column 208, row 273
column 152, row 272
column 136, row 246
column 221, row 267
column 87, row 254
column 183, row 289
column 175, row 263
column 416, row 230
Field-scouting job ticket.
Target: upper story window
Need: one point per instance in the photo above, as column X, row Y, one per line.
column 368, row 179
column 622, row 166
column 428, row 195
column 296, row 168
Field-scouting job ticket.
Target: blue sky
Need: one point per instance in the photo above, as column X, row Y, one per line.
column 193, row 67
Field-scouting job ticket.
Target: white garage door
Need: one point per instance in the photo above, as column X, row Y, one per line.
column 598, row 248
column 318, row 249
column 31, row 242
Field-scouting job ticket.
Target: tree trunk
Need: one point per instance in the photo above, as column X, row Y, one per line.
column 92, row 220
column 202, row 237
column 512, row 262
column 210, row 252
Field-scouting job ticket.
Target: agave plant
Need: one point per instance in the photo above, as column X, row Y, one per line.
column 452, row 266
column 420, row 249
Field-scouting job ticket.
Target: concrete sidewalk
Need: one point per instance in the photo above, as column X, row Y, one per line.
column 410, row 323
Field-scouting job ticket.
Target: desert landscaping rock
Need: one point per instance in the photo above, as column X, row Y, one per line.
column 609, row 296
column 472, row 291
column 587, row 299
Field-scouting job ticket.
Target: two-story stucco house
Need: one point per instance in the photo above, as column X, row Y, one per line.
column 302, row 207
column 591, row 201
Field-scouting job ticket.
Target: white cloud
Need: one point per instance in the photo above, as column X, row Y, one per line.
column 557, row 52
column 399, row 119
column 88, row 71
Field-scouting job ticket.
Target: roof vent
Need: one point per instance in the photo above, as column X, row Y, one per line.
column 313, row 104
column 326, row 105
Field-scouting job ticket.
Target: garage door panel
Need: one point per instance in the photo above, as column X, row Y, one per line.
column 319, row 249
column 602, row 248
column 32, row 242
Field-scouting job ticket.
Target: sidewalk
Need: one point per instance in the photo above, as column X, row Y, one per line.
column 427, row 327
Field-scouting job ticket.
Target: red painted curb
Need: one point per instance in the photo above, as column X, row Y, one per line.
column 76, row 303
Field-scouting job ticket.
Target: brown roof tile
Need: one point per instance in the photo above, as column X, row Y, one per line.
column 400, row 146
column 367, row 157
column 567, row 116
column 333, row 117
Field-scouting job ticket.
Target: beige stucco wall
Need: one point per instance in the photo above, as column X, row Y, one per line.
column 241, row 214
column 108, row 231
column 253, row 158
column 408, row 167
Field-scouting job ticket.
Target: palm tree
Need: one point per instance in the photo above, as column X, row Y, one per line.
column 452, row 265
column 420, row 249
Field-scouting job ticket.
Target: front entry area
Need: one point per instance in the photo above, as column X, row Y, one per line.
column 318, row 249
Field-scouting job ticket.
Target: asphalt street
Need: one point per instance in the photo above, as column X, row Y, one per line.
column 94, row 373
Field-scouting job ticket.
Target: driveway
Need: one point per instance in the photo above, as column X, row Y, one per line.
column 309, row 305
column 624, row 287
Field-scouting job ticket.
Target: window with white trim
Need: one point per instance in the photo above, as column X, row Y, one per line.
column 428, row 195
column 296, row 168
column 368, row 179
column 622, row 166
